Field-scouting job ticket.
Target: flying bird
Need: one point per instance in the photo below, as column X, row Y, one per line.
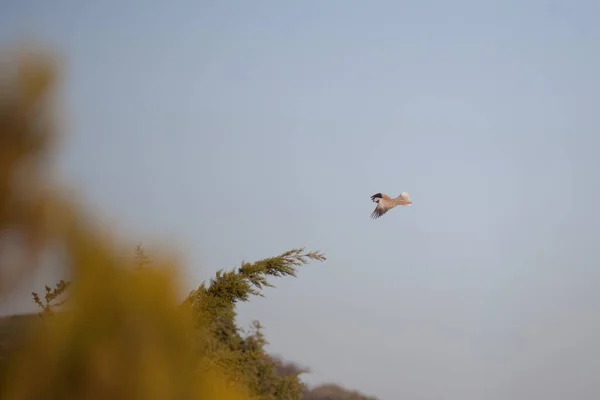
column 386, row 203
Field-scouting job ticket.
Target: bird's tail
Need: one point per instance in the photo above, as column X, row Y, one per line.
column 404, row 199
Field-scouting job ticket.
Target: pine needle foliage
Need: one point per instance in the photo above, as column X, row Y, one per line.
column 250, row 278
column 243, row 358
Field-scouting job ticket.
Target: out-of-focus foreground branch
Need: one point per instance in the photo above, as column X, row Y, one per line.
column 122, row 334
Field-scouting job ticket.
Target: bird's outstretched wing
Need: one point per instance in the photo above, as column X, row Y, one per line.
column 379, row 210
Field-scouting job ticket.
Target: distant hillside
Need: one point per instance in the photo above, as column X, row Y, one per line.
column 322, row 392
column 334, row 392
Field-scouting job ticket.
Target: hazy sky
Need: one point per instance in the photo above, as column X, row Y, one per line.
column 239, row 130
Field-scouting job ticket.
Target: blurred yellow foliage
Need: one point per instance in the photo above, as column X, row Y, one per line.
column 123, row 333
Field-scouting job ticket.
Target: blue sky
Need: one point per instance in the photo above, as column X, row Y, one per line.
column 238, row 130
